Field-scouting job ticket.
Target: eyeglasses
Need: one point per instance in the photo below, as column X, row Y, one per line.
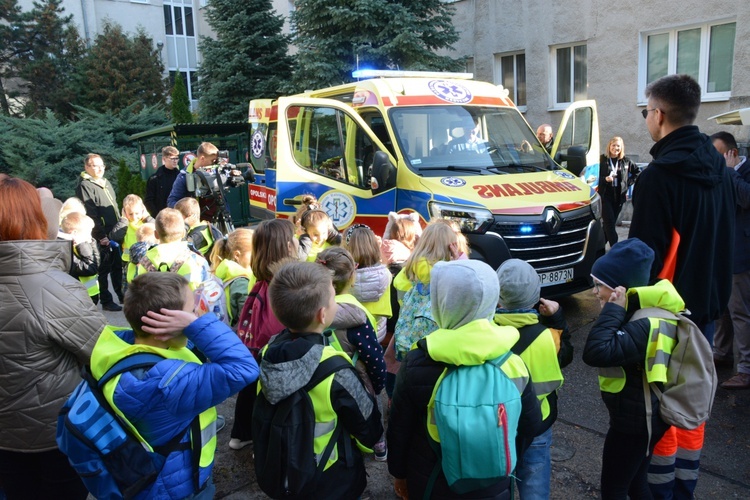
column 174, row 158
column 644, row 112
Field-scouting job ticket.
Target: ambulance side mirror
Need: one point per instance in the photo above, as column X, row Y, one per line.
column 383, row 175
column 576, row 158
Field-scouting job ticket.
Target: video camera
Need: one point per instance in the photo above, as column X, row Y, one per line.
column 212, row 182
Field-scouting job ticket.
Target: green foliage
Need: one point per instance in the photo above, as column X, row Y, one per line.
column 129, row 182
column 331, row 36
column 180, row 102
column 119, row 71
column 48, row 66
column 247, row 60
column 39, row 52
column 48, row 152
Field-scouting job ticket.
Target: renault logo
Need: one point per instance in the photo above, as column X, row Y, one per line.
column 552, row 221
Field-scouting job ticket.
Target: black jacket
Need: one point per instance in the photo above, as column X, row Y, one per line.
column 101, row 204
column 158, row 187
column 410, row 454
column 625, row 178
column 686, row 192
column 291, row 358
column 613, row 341
column 741, row 180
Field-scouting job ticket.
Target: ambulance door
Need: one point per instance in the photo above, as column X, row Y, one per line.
column 326, row 149
column 578, row 134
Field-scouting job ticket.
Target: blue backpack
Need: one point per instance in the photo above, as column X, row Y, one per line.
column 109, row 458
column 475, row 411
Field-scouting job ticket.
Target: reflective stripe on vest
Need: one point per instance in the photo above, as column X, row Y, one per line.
column 91, row 283
column 611, row 379
column 325, row 416
column 130, row 239
column 207, row 421
column 661, row 342
column 546, row 376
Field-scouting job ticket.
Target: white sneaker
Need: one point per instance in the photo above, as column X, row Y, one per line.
column 236, row 444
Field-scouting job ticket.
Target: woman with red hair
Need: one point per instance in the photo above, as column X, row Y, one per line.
column 48, row 330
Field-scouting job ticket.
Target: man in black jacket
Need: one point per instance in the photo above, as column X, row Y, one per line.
column 159, row 185
column 683, row 208
column 739, row 302
column 98, row 196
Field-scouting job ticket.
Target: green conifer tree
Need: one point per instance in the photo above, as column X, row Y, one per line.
column 180, row 102
column 247, row 60
column 120, row 70
column 333, row 36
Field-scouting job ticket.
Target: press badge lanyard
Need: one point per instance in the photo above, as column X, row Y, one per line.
column 613, row 171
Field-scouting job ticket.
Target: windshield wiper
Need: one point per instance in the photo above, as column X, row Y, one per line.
column 527, row 168
column 455, row 168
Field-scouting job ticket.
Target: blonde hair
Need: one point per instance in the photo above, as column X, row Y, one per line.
column 462, row 241
column 363, row 245
column 132, row 201
column 622, row 149
column 239, row 240
column 76, row 221
column 170, row 226
column 188, row 207
column 147, row 233
column 433, row 246
column 70, row 205
column 167, row 151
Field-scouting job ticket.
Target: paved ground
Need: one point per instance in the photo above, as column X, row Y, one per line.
column 578, row 434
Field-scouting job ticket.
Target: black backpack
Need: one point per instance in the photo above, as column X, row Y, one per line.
column 283, row 436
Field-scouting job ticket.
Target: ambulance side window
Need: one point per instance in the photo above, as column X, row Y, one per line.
column 328, row 142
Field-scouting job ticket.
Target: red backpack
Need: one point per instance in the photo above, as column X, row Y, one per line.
column 257, row 323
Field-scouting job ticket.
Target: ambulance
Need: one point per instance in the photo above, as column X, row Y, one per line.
column 441, row 145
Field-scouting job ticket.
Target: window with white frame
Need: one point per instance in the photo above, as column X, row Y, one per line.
column 510, row 72
column 569, row 74
column 182, row 44
column 704, row 51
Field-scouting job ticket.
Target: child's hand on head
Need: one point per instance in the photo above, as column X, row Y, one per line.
column 548, row 307
column 167, row 323
column 618, row 296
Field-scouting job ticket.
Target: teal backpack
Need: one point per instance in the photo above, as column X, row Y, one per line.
column 475, row 410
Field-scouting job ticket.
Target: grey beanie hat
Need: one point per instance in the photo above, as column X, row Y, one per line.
column 519, row 285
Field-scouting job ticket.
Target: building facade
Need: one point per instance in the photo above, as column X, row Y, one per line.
column 549, row 54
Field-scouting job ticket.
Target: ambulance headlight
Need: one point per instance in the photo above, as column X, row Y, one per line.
column 469, row 219
column 596, row 206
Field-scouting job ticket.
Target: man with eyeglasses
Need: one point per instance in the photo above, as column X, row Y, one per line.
column 98, row 196
column 684, row 209
column 160, row 184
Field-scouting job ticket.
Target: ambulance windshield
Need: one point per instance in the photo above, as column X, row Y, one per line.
column 468, row 138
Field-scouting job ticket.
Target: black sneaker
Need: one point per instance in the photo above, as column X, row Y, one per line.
column 111, row 306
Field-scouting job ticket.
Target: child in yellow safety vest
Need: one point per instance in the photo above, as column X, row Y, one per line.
column 146, row 238
column 230, row 262
column 134, row 215
column 355, row 328
column 76, row 227
column 544, row 346
column 372, row 282
column 202, row 234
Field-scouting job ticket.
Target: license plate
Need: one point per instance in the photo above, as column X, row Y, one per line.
column 556, row 277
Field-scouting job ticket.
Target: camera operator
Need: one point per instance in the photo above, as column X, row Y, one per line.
column 206, row 156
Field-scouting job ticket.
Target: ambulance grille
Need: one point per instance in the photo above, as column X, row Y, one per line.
column 529, row 239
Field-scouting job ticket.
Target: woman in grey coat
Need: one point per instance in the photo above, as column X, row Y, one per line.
column 49, row 327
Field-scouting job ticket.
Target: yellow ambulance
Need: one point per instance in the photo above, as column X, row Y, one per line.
column 441, row 145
